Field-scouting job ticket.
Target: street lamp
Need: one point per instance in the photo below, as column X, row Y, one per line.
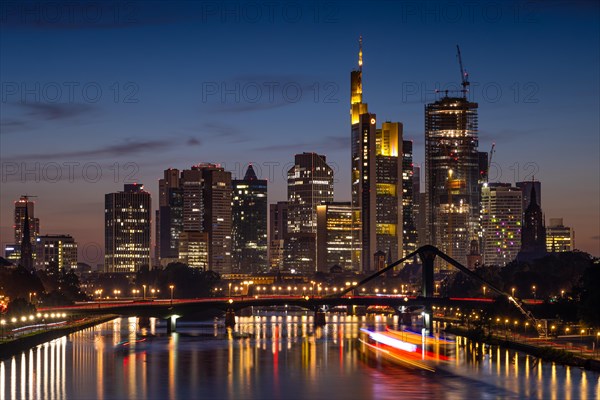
column 484, row 289
column 533, row 290
column 229, row 289
column 144, row 286
column 513, row 292
column 171, row 287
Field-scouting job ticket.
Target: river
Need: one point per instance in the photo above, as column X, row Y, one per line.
column 271, row 356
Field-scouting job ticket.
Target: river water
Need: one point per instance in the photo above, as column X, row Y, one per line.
column 269, row 356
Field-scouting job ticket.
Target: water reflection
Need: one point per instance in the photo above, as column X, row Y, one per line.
column 269, row 356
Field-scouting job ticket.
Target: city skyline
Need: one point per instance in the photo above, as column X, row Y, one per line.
column 127, row 140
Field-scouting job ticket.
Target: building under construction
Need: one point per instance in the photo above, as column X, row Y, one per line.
column 452, row 175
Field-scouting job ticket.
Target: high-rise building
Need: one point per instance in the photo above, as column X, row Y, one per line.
column 193, row 249
column 559, row 237
column 196, row 200
column 127, row 229
column 390, row 186
column 410, row 240
column 533, row 234
column 217, row 194
column 278, row 222
column 169, row 217
column 334, row 235
column 250, row 223
column 60, row 250
column 34, row 223
column 377, row 180
column 452, row 176
column 310, row 183
column 501, row 223
column 419, row 207
column 192, row 186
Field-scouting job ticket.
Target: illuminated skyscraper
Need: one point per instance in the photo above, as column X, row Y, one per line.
column 452, row 176
column 334, row 236
column 377, row 180
column 34, row 223
column 501, row 223
column 390, row 185
column 250, row 224
column 127, row 229
column 310, row 183
column 217, row 222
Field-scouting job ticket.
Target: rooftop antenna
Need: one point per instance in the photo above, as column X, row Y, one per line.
column 360, row 61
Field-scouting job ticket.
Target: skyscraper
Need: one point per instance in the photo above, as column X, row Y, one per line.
column 250, row 223
column 217, row 194
column 389, row 185
column 34, row 223
column 310, row 183
column 377, row 180
column 410, row 240
column 334, row 235
column 501, row 223
column 127, row 229
column 278, row 222
column 452, row 175
column 169, row 217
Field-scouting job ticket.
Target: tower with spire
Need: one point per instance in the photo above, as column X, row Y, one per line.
column 376, row 180
column 533, row 234
column 26, row 248
column 249, row 223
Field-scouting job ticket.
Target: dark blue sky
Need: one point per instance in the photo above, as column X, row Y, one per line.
column 128, row 89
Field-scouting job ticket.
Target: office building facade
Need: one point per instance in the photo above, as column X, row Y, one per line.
column 127, row 229
column 249, row 213
column 452, row 176
column 501, row 223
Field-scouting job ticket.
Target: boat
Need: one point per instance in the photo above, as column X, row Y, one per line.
column 405, row 348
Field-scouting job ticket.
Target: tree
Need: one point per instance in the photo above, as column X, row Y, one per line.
column 589, row 305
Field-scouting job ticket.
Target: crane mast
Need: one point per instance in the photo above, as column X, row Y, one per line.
column 464, row 75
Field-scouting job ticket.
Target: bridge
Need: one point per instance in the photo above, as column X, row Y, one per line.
column 173, row 309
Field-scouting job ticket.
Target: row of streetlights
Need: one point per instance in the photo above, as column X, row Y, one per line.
column 242, row 286
column 135, row 292
column 29, row 318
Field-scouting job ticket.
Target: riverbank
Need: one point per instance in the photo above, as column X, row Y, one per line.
column 20, row 344
column 544, row 352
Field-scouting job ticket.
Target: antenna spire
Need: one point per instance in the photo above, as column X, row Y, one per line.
column 360, row 60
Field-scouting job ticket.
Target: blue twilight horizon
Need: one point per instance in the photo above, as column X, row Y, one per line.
column 98, row 94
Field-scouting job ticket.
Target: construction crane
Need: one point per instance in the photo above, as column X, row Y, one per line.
column 464, row 75
column 464, row 78
column 492, row 151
